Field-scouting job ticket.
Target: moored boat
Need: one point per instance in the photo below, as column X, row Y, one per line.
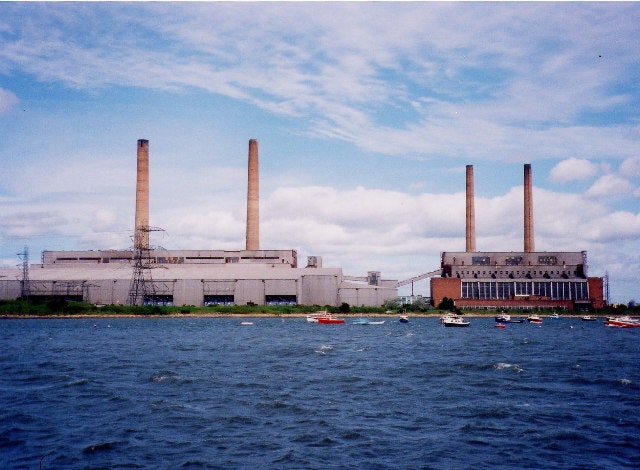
column 404, row 319
column 330, row 320
column 588, row 318
column 622, row 322
column 313, row 317
column 455, row 321
column 448, row 316
column 366, row 321
column 503, row 318
column 534, row 319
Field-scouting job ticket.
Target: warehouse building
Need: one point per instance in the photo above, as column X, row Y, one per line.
column 145, row 275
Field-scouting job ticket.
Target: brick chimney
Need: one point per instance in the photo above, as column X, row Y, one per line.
column 253, row 199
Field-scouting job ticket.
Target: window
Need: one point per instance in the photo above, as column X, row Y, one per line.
column 218, row 300
column 281, row 300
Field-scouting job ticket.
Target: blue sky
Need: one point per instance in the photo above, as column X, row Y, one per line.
column 366, row 115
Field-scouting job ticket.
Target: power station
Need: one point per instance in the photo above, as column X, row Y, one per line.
column 152, row 276
column 514, row 280
column 145, row 275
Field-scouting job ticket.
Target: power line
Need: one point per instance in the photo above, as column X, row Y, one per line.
column 25, row 284
column 142, row 285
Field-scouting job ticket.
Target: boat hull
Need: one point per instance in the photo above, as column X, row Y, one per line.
column 624, row 322
column 461, row 324
column 330, row 321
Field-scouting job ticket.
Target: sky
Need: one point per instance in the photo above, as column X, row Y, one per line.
column 366, row 116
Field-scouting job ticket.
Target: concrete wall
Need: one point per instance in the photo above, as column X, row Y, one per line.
column 365, row 296
column 318, row 290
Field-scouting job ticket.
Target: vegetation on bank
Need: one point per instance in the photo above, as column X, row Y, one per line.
column 62, row 307
column 58, row 307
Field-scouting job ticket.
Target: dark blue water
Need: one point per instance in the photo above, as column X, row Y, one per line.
column 210, row 393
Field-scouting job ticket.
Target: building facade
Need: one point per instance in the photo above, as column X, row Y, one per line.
column 517, row 280
column 195, row 277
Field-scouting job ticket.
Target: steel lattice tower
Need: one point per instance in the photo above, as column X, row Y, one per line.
column 25, row 290
column 142, row 286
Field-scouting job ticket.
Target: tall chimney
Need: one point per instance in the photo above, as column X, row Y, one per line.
column 253, row 199
column 141, row 234
column 471, row 212
column 528, row 210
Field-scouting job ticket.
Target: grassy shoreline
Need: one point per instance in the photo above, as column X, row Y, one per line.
column 394, row 315
column 59, row 308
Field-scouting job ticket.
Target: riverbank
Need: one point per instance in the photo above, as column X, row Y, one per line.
column 270, row 315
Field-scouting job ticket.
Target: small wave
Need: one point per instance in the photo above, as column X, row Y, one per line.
column 325, row 442
column 288, row 457
column 164, row 376
column 195, row 464
column 625, row 382
column 506, row 365
column 99, row 447
column 77, row 383
column 323, row 348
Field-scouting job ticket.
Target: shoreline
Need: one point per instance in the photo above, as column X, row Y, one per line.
column 263, row 315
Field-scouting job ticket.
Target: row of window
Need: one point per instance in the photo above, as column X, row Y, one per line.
column 555, row 290
column 545, row 260
column 516, row 273
column 269, row 300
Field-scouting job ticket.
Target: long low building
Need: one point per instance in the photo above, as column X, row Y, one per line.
column 194, row 277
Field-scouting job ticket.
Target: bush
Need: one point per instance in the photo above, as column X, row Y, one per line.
column 447, row 304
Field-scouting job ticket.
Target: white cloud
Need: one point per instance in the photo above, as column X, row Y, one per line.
column 630, row 168
column 610, row 185
column 573, row 169
column 340, row 66
column 7, row 100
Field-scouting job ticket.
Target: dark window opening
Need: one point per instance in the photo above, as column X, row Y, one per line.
column 159, row 299
column 281, row 300
column 218, row 300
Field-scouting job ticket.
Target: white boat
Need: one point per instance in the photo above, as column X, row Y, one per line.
column 323, row 317
column 623, row 322
column 366, row 321
column 246, row 323
column 313, row 317
column 503, row 318
column 534, row 319
column 455, row 321
column 588, row 318
column 554, row 315
column 404, row 319
column 448, row 316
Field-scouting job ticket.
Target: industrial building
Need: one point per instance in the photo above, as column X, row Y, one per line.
column 144, row 275
column 514, row 280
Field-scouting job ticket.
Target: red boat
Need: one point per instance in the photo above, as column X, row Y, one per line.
column 622, row 322
column 329, row 320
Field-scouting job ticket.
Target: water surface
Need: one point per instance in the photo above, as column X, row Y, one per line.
column 166, row 393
